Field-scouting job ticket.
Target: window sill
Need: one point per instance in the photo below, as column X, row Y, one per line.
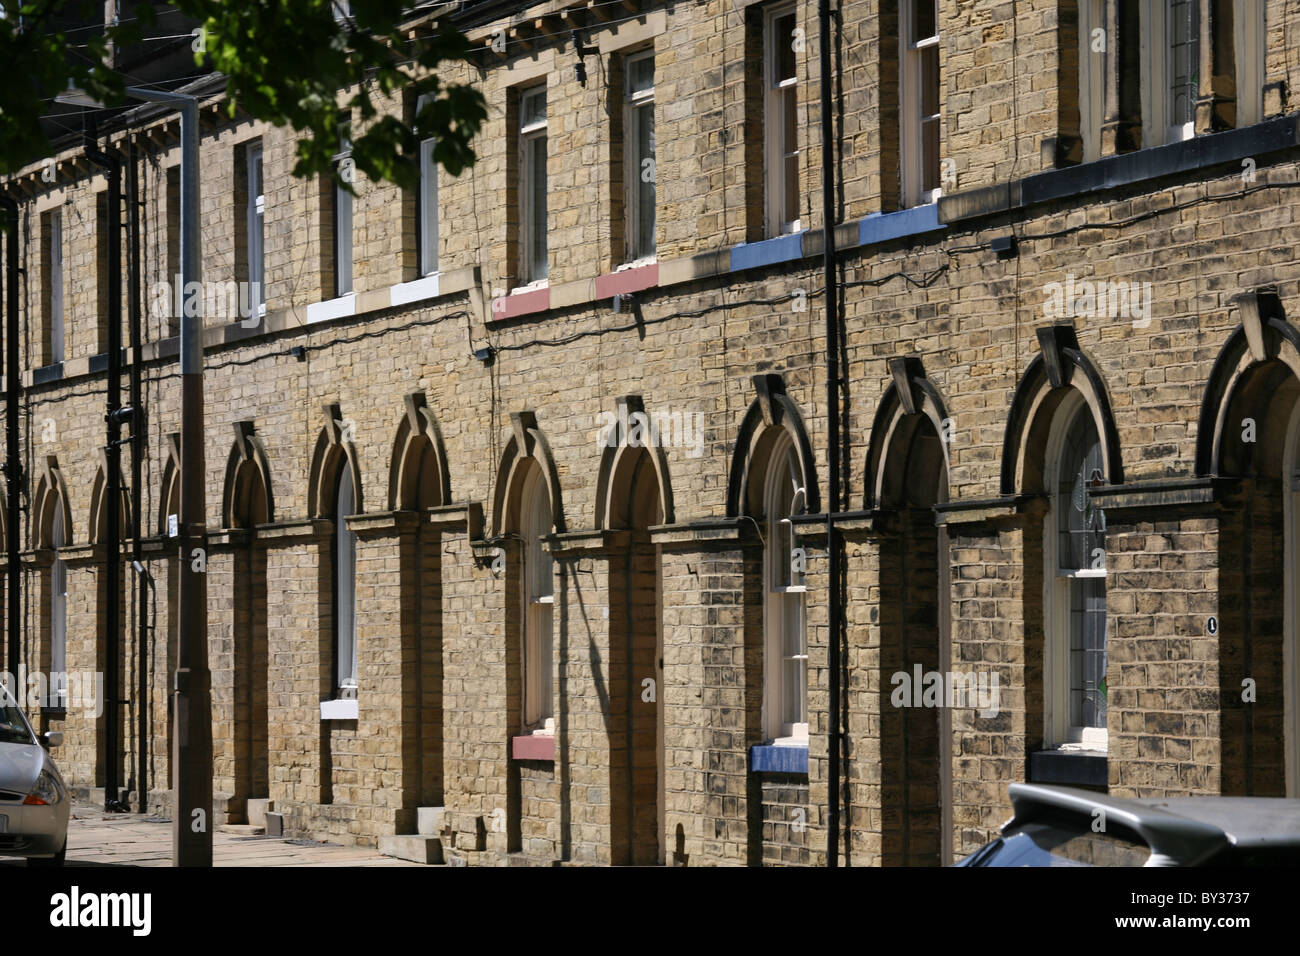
column 417, row 290
column 1086, row 768
column 339, row 709
column 789, row 755
column 534, row 297
column 536, row 746
column 337, row 308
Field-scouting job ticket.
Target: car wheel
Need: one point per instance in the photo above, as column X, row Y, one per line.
column 56, row 860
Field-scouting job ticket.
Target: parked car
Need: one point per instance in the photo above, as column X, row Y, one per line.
column 34, row 802
column 1065, row 826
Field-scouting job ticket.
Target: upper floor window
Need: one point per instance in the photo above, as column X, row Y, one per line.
column 534, row 264
column 345, row 584
column 1075, row 664
column 639, row 124
column 343, row 216
column 538, row 597
column 427, row 221
column 52, row 254
column 785, row 685
column 781, row 122
column 255, row 216
column 919, row 100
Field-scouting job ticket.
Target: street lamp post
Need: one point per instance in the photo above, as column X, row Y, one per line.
column 192, row 687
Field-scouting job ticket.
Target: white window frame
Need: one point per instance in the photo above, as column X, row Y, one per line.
column 775, row 149
column 1157, row 129
column 345, row 586
column 1251, row 46
column 256, row 220
column 783, row 467
column 58, row 330
column 911, row 147
column 533, row 148
column 633, row 102
column 58, row 686
column 538, row 598
column 1058, row 732
column 427, row 219
column 343, row 238
column 1092, row 78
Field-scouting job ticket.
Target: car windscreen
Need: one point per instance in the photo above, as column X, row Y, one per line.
column 1066, row 842
column 13, row 729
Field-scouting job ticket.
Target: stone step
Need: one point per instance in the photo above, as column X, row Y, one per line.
column 242, row 829
column 257, row 809
column 413, row 847
column 428, row 820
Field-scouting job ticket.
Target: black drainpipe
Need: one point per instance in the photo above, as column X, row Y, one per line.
column 13, row 464
column 113, row 452
column 141, row 596
column 834, row 608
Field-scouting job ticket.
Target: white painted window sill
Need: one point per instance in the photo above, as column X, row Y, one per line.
column 338, row 710
column 637, row 263
column 531, row 287
column 416, row 290
column 332, row 308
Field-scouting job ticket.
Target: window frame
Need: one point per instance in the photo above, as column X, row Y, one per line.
column 533, row 234
column 634, row 101
column 344, row 590
column 1250, row 47
column 255, row 214
column 778, row 596
column 58, row 631
column 1058, row 730
column 344, row 250
column 537, row 598
column 1157, row 129
column 57, row 327
column 775, row 149
column 911, row 141
column 426, row 220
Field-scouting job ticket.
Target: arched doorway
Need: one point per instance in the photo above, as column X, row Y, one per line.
column 635, row 504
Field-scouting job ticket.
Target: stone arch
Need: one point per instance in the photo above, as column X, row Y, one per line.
column 1257, row 359
column 418, row 475
column 622, row 468
column 169, row 497
column 334, row 450
column 907, row 404
column 98, row 524
column 51, row 493
column 525, row 447
column 1060, row 366
column 771, row 410
column 247, row 490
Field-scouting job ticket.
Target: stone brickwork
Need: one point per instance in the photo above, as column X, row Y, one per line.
column 950, row 397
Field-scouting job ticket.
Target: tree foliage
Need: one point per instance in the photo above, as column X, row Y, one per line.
column 313, row 65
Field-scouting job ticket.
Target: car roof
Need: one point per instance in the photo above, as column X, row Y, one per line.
column 1181, row 829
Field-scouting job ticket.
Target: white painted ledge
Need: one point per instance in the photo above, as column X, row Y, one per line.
column 338, row 710
column 332, row 308
column 415, row 291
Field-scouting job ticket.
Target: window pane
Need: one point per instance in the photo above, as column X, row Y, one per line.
column 1081, row 527
column 645, row 184
column 345, row 582
column 56, row 286
column 342, row 241
column 532, row 108
column 428, row 209
column 924, row 19
column 538, row 262
column 783, row 38
column 929, row 81
column 641, row 74
column 1184, row 59
column 1088, row 652
column 930, row 154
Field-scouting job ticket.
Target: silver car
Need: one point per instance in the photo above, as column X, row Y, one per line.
column 34, row 802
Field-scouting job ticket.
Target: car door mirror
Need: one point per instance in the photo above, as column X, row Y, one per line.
column 52, row 738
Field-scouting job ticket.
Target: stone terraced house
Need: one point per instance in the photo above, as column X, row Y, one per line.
column 517, row 489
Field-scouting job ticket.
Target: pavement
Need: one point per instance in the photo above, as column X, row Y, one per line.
column 99, row 838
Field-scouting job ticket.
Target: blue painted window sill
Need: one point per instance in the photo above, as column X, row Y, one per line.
column 772, row 759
